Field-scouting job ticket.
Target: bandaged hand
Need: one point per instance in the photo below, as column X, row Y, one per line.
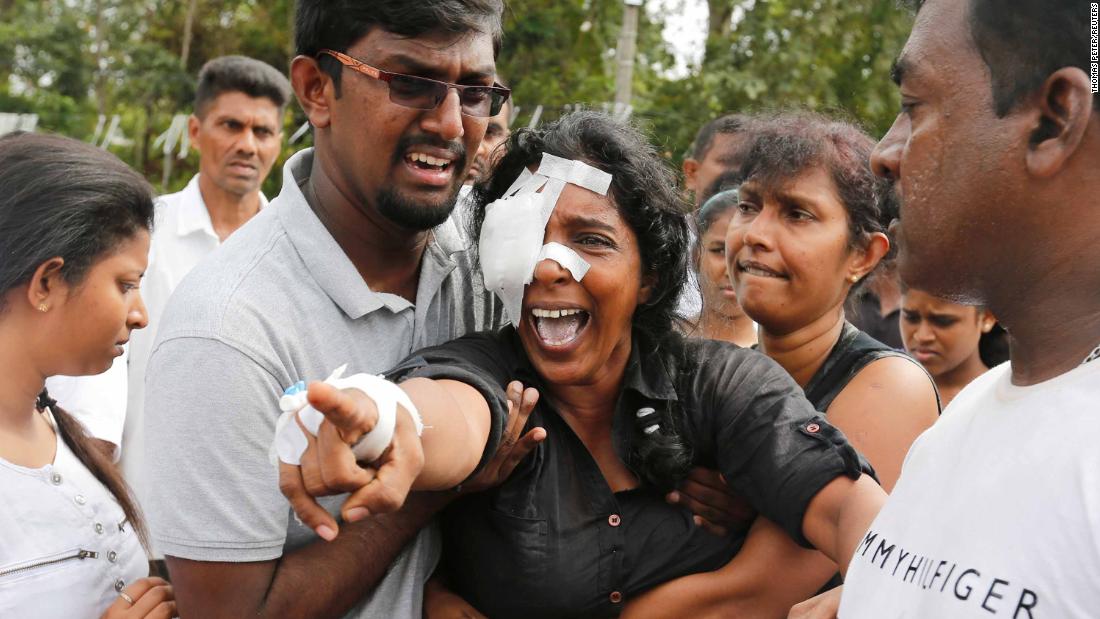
column 329, row 465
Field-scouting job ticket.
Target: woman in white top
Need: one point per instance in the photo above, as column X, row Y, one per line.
column 74, row 241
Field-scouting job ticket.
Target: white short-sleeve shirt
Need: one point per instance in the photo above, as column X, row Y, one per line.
column 111, row 405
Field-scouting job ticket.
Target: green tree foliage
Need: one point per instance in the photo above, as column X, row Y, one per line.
column 831, row 55
column 70, row 61
column 560, row 53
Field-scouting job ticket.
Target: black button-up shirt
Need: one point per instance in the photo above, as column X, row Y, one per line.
column 553, row 540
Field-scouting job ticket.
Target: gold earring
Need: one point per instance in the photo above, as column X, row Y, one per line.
column 42, row 307
column 853, row 279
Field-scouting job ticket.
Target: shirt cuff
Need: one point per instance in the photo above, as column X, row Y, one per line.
column 838, row 459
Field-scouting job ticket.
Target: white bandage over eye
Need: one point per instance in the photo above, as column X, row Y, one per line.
column 290, row 443
column 511, row 242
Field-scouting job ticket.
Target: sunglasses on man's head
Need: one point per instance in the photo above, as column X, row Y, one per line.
column 421, row 93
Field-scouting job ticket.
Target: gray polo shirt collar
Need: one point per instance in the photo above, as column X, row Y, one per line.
column 329, row 265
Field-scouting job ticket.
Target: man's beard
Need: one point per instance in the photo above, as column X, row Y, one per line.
column 415, row 215
column 420, row 215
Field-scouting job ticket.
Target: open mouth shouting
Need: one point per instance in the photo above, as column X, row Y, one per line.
column 558, row 329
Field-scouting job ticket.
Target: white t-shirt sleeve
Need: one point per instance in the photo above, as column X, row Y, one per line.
column 98, row 402
column 210, row 413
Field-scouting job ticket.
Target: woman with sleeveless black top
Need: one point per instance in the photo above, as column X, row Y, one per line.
column 810, row 225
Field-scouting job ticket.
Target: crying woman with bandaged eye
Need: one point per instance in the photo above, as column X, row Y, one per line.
column 580, row 527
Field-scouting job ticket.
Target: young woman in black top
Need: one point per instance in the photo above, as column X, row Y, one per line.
column 581, row 527
column 946, row 339
column 811, row 225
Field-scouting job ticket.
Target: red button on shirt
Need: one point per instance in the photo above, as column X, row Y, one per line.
column 615, row 597
column 614, row 520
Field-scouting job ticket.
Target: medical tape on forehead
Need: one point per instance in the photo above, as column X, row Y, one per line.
column 552, row 175
column 575, row 172
column 520, row 183
column 290, row 443
column 511, row 236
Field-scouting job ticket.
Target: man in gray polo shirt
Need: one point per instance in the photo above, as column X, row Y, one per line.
column 354, row 262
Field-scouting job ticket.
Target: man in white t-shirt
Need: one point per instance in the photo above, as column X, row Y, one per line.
column 995, row 154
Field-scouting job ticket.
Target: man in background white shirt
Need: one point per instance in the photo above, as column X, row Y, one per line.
column 237, row 129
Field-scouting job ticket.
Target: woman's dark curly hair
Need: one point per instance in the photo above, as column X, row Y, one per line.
column 788, row 143
column 644, row 189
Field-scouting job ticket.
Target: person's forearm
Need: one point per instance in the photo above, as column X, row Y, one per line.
column 456, row 429
column 322, row 579
column 720, row 594
column 855, row 519
column 329, row 578
column 697, row 595
column 839, row 516
column 764, row 579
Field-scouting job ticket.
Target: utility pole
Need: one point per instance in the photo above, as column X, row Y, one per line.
column 291, row 10
column 188, row 30
column 624, row 54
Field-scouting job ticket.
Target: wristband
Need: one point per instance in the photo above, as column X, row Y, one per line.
column 290, row 443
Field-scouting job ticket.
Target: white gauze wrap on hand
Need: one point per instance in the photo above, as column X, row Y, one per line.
column 290, row 442
column 515, row 225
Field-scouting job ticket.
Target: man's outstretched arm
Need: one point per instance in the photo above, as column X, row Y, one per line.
column 323, row 579
column 328, row 578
